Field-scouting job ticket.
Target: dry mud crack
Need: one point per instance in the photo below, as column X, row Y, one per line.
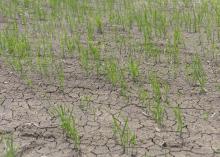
column 25, row 114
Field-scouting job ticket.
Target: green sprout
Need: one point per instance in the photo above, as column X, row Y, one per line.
column 179, row 119
column 133, row 68
column 68, row 124
column 10, row 149
column 126, row 137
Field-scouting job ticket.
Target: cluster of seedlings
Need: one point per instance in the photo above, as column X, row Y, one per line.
column 40, row 35
column 124, row 135
column 68, row 124
column 10, row 150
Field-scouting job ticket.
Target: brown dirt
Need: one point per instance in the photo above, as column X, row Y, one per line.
column 25, row 112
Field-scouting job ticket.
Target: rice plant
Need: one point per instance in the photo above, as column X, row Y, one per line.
column 84, row 59
column 133, row 68
column 177, row 37
column 123, row 83
column 68, row 124
column 144, row 96
column 173, row 52
column 112, row 71
column 67, row 43
column 85, row 102
column 205, row 115
column 99, row 24
column 90, row 30
column 152, row 50
column 218, row 87
column 126, row 138
column 165, row 91
column 10, row 150
column 157, row 109
column 46, row 63
column 156, row 88
column 61, row 76
column 179, row 119
column 96, row 54
column 197, row 72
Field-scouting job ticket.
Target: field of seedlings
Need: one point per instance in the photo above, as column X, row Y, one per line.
column 109, row 78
